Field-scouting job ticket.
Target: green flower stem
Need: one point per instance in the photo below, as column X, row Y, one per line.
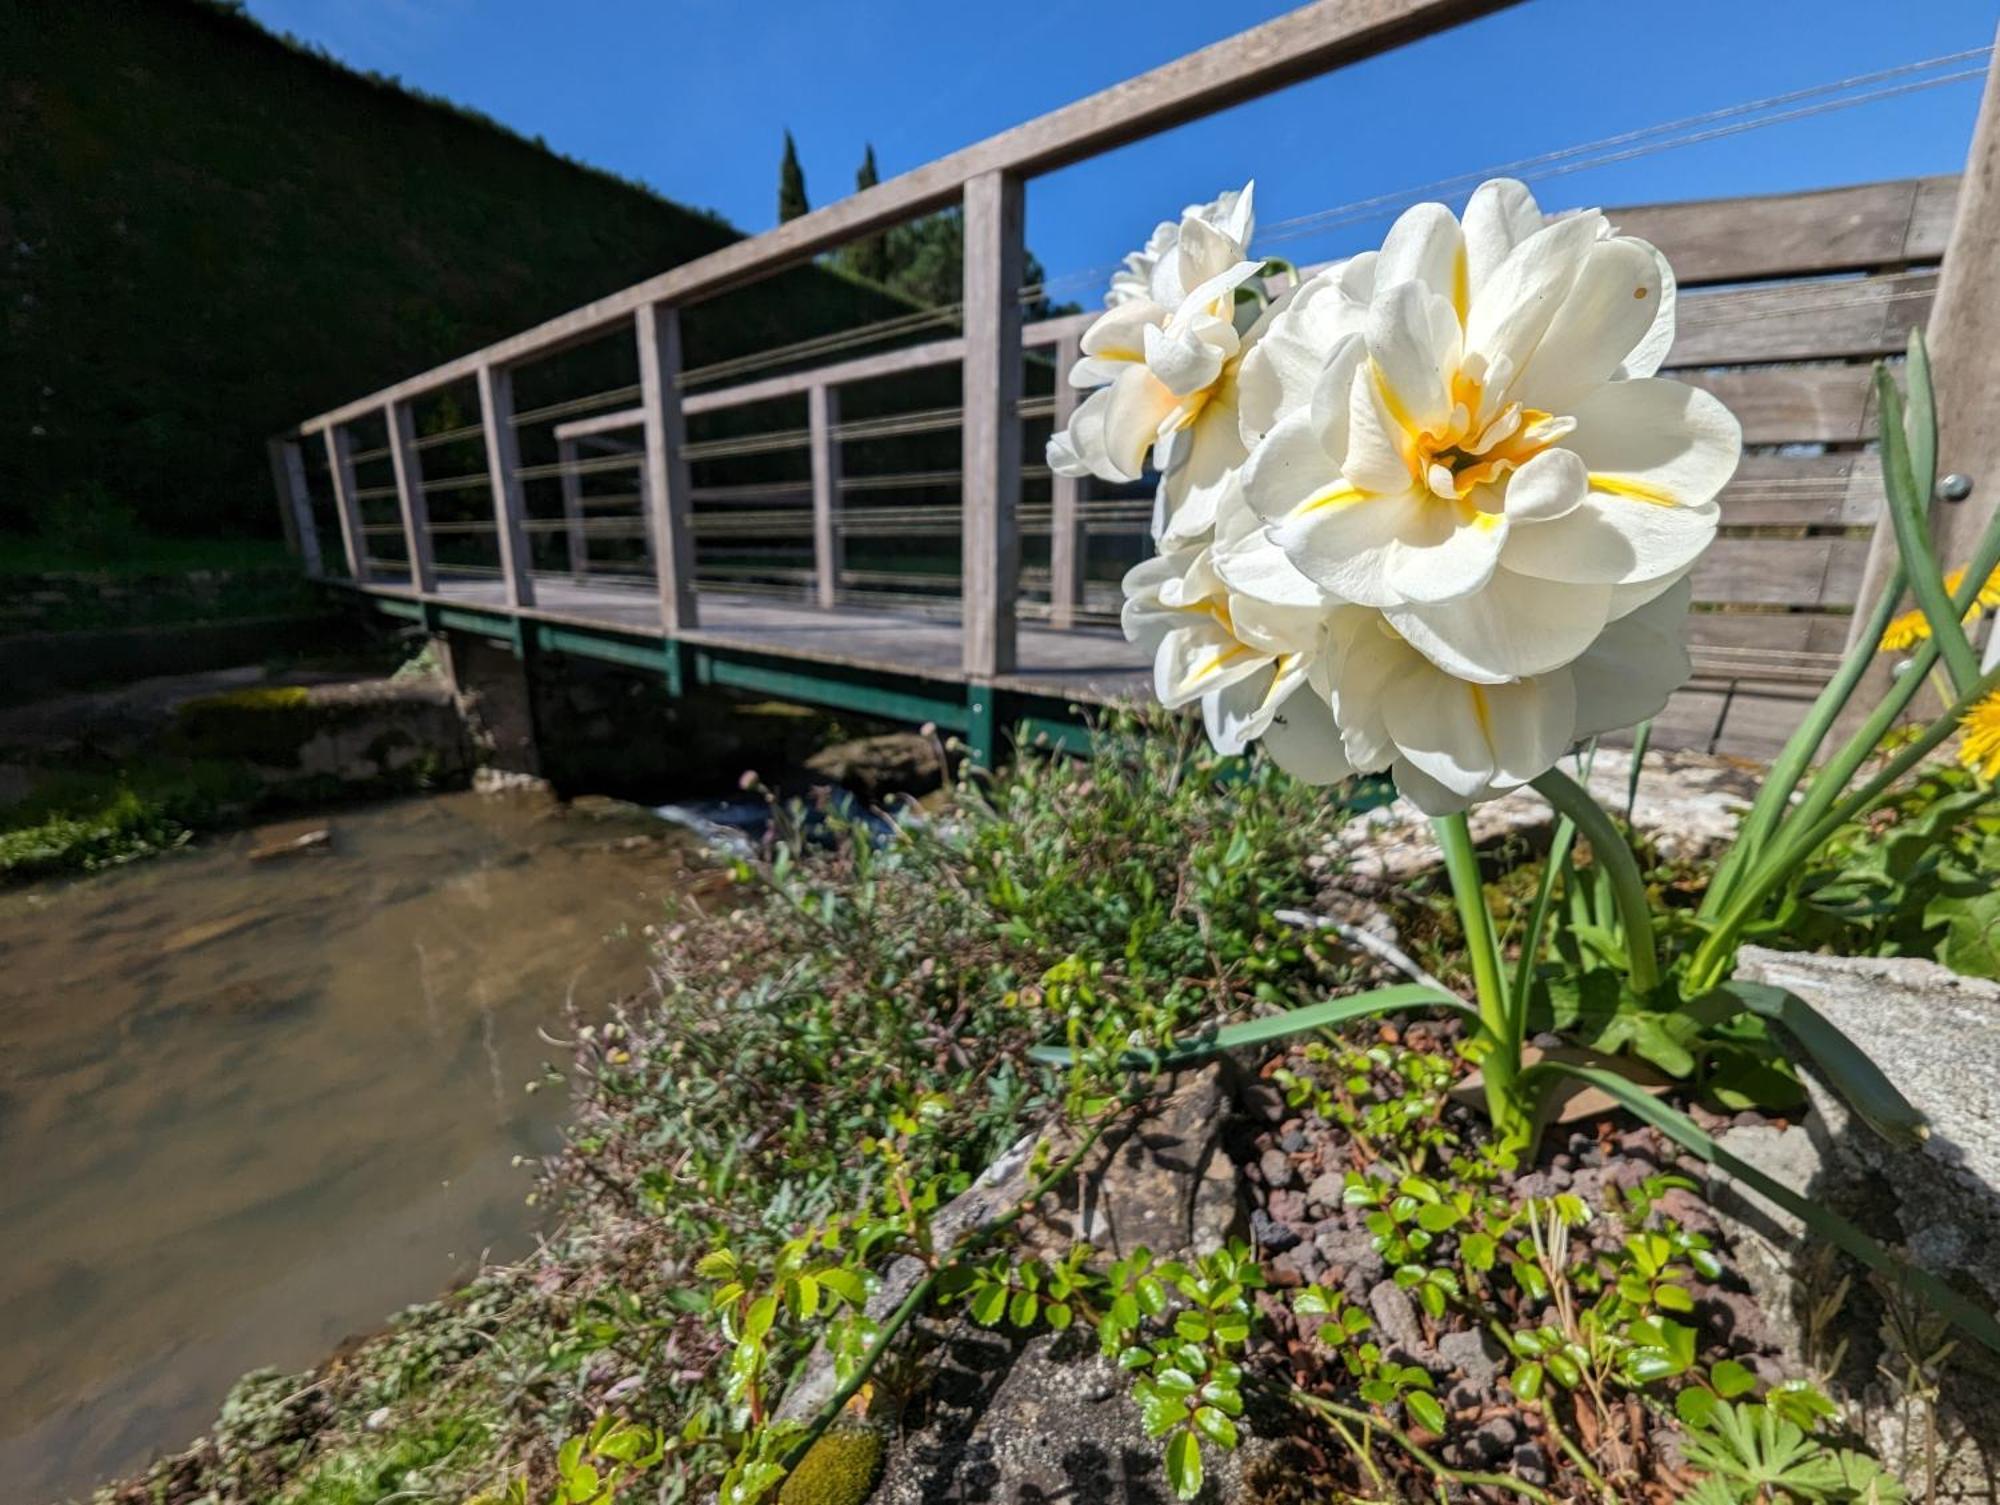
column 919, row 1297
column 1909, row 512
column 1501, row 1064
column 1334, row 1411
column 1713, row 957
column 1775, row 797
column 1616, row 862
column 1828, row 783
column 1538, row 920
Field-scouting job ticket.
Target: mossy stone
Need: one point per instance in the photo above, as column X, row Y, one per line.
column 839, row 1469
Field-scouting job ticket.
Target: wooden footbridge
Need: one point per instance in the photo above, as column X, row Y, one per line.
column 578, row 489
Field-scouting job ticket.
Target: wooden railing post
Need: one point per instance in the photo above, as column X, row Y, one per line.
column 1964, row 328
column 409, row 465
column 340, row 465
column 503, row 464
column 991, row 486
column 666, row 469
column 572, row 495
column 288, row 474
column 1066, row 535
column 1965, row 369
column 822, row 418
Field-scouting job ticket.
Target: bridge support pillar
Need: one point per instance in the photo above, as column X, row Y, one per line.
column 494, row 686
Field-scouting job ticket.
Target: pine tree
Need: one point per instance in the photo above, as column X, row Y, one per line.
column 791, row 184
column 869, row 256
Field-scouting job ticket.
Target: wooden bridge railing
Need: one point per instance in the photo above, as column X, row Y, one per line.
column 986, row 180
column 1786, row 301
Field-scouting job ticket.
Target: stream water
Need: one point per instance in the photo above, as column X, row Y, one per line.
column 248, row 1108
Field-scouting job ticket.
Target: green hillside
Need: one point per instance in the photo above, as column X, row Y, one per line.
column 207, row 233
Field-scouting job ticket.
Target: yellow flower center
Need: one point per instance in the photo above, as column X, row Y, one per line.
column 1470, row 450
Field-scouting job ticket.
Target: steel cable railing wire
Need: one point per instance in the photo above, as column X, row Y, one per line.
column 606, row 399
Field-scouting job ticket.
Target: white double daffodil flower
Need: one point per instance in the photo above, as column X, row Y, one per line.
column 1447, row 531
column 1163, row 357
column 1463, row 431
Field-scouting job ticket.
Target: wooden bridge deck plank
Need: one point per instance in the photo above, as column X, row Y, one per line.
column 1093, row 666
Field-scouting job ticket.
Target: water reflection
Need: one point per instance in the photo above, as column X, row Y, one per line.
column 249, row 1108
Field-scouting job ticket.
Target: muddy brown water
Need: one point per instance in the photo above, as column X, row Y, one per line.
column 249, row 1108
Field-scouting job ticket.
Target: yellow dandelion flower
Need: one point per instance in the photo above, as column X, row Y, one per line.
column 1905, row 632
column 1912, row 627
column 1980, row 751
column 1989, row 593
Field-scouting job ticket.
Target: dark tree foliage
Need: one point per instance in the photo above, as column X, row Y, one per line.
column 208, row 232
column 791, row 184
column 869, row 256
column 927, row 264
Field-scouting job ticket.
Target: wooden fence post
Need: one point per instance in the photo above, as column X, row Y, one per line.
column 665, row 469
column 1964, row 328
column 503, row 463
column 572, row 495
column 409, row 465
column 1067, row 542
column 340, row 464
column 288, row 474
column 822, row 418
column 1965, row 367
column 991, row 484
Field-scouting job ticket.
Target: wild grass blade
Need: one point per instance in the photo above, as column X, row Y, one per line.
column 1315, row 1016
column 1614, row 855
column 1849, row 1069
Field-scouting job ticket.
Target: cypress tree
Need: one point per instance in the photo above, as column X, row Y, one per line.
column 869, row 256
column 791, row 183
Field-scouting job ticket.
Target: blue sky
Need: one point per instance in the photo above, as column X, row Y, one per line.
column 692, row 97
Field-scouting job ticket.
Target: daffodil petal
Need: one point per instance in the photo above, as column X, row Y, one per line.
column 1551, row 485
column 1343, row 545
column 1443, row 558
column 1604, row 314
column 1516, row 303
column 1425, row 246
column 1201, row 465
column 1678, row 443
column 1374, row 457
column 1198, row 660
column 1651, row 351
column 1131, row 412
column 1180, row 360
column 1634, row 666
column 1612, row 541
column 1413, row 346
column 1303, row 740
column 1425, row 792
column 1283, row 368
column 1500, row 215
column 1290, row 465
column 1515, row 627
column 1439, row 724
column 1255, row 566
column 1119, row 333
